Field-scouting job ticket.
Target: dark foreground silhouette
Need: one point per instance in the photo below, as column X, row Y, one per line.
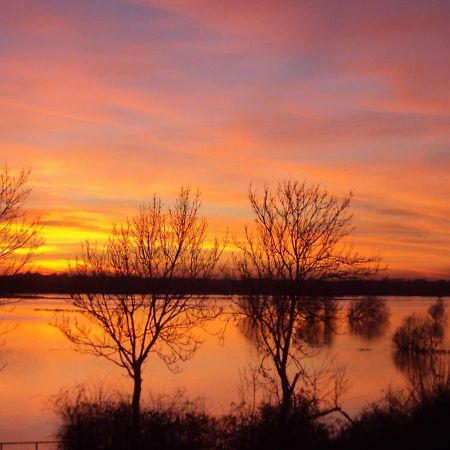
column 412, row 419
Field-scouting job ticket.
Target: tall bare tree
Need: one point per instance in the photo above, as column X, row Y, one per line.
column 166, row 248
column 19, row 236
column 297, row 238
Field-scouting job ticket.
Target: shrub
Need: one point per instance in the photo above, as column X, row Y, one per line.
column 269, row 429
column 422, row 333
column 92, row 420
column 95, row 421
column 437, row 311
column 415, row 419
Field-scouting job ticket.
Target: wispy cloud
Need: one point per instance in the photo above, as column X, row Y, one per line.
column 109, row 102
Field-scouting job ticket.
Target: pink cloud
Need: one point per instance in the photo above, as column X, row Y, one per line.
column 106, row 111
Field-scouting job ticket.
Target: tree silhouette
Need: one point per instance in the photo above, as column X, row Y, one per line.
column 167, row 248
column 19, row 237
column 297, row 238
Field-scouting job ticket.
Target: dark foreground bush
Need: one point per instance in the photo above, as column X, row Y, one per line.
column 100, row 422
column 412, row 420
column 269, row 429
column 416, row 419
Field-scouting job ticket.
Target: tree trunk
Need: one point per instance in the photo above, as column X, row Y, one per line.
column 136, row 405
column 283, row 417
column 286, row 400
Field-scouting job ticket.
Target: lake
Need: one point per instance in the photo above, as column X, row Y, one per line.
column 40, row 363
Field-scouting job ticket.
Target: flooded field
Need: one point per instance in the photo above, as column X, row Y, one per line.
column 39, row 363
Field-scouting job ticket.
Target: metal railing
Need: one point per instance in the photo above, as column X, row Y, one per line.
column 29, row 444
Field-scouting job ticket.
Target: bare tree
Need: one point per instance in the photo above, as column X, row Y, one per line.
column 297, row 238
column 166, row 248
column 19, row 236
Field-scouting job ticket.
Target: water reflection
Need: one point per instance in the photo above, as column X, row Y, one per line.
column 425, row 361
column 321, row 323
column 285, row 330
column 420, row 365
column 314, row 322
column 41, row 362
column 369, row 330
column 423, row 333
column 368, row 318
column 318, row 333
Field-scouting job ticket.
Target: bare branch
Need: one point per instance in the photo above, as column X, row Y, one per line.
column 159, row 245
column 19, row 236
column 298, row 236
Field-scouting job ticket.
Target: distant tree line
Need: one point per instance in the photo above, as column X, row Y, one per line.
column 64, row 283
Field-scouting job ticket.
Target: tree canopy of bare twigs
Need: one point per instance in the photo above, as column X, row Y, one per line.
column 162, row 246
column 19, row 236
column 298, row 236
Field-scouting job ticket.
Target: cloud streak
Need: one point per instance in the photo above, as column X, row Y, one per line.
column 109, row 102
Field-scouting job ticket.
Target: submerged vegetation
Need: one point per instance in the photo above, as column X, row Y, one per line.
column 368, row 317
column 422, row 333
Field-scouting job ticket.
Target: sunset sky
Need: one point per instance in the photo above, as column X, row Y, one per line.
column 110, row 101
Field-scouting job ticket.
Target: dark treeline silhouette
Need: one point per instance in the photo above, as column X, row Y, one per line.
column 36, row 283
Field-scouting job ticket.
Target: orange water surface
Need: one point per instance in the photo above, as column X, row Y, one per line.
column 40, row 362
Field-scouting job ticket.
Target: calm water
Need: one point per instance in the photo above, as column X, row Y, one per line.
column 40, row 362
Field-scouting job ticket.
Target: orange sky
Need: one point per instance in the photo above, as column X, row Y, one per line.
column 110, row 101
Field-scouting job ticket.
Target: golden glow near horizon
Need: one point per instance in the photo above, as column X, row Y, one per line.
column 111, row 102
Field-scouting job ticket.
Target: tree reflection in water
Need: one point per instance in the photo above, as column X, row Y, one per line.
column 423, row 370
column 368, row 318
column 286, row 330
